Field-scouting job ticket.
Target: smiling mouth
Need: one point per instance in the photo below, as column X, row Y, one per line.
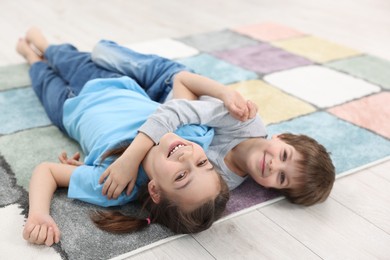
column 175, row 148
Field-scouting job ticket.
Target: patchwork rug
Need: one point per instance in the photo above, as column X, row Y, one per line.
column 301, row 84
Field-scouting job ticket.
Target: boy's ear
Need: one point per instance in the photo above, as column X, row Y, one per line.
column 154, row 191
column 275, row 136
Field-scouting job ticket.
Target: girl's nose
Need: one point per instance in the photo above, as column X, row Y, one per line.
column 185, row 154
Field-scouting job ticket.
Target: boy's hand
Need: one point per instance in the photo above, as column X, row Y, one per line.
column 117, row 176
column 75, row 160
column 41, row 229
column 238, row 107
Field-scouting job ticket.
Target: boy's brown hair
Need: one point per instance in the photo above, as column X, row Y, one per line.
column 318, row 171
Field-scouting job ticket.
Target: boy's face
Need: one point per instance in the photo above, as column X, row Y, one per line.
column 181, row 170
column 273, row 164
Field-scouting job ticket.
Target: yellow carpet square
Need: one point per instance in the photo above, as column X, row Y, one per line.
column 273, row 104
column 316, row 49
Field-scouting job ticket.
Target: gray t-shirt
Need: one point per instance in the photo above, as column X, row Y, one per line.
column 211, row 112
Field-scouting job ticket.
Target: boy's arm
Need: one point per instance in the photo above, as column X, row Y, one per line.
column 177, row 112
column 123, row 171
column 40, row 228
column 191, row 86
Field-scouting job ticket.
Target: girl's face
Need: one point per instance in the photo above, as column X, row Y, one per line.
column 181, row 170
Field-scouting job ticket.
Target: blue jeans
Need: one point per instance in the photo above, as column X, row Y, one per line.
column 61, row 76
column 153, row 73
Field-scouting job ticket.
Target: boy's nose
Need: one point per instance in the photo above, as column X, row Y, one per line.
column 273, row 166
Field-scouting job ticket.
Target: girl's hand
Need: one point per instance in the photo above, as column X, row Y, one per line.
column 238, row 107
column 117, row 176
column 75, row 160
column 41, row 229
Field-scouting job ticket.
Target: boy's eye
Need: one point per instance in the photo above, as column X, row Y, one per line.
column 284, row 155
column 180, row 176
column 282, row 177
column 203, row 162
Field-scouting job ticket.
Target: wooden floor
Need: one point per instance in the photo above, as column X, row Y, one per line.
column 354, row 223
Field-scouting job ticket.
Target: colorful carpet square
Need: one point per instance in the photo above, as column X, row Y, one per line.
column 268, row 31
column 14, row 76
column 316, row 49
column 26, row 149
column 321, row 86
column 21, row 104
column 167, row 48
column 262, row 58
column 274, row 105
column 217, row 69
column 360, row 112
column 372, row 69
column 218, row 40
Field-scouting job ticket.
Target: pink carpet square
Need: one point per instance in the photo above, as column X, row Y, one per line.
column 268, row 31
column 372, row 112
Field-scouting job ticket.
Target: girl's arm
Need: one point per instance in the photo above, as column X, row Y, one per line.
column 40, row 227
column 191, row 86
column 123, row 171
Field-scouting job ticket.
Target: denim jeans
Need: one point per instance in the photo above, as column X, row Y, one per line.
column 153, row 73
column 61, row 76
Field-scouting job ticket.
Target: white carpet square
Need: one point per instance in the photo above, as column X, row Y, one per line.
column 166, row 47
column 321, row 86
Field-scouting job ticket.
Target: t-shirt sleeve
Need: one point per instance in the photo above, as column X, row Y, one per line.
column 210, row 112
column 84, row 185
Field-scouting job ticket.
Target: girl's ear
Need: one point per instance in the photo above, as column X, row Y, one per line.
column 154, row 191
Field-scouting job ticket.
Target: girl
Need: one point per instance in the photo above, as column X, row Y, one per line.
column 103, row 112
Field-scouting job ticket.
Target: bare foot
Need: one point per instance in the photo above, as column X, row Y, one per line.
column 23, row 48
column 35, row 37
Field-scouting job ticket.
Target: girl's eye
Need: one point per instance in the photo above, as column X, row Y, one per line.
column 284, row 156
column 180, row 176
column 282, row 177
column 203, row 162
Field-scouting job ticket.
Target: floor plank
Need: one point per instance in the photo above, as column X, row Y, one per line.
column 331, row 230
column 382, row 170
column 366, row 194
column 185, row 247
column 251, row 236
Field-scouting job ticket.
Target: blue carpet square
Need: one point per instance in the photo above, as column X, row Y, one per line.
column 21, row 110
column 218, row 70
column 350, row 146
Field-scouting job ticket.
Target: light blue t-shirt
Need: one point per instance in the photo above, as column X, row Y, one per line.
column 106, row 113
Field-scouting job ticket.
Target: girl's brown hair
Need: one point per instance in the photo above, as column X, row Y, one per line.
column 165, row 212
column 316, row 168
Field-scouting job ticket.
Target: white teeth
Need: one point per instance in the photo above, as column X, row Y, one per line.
column 175, row 149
